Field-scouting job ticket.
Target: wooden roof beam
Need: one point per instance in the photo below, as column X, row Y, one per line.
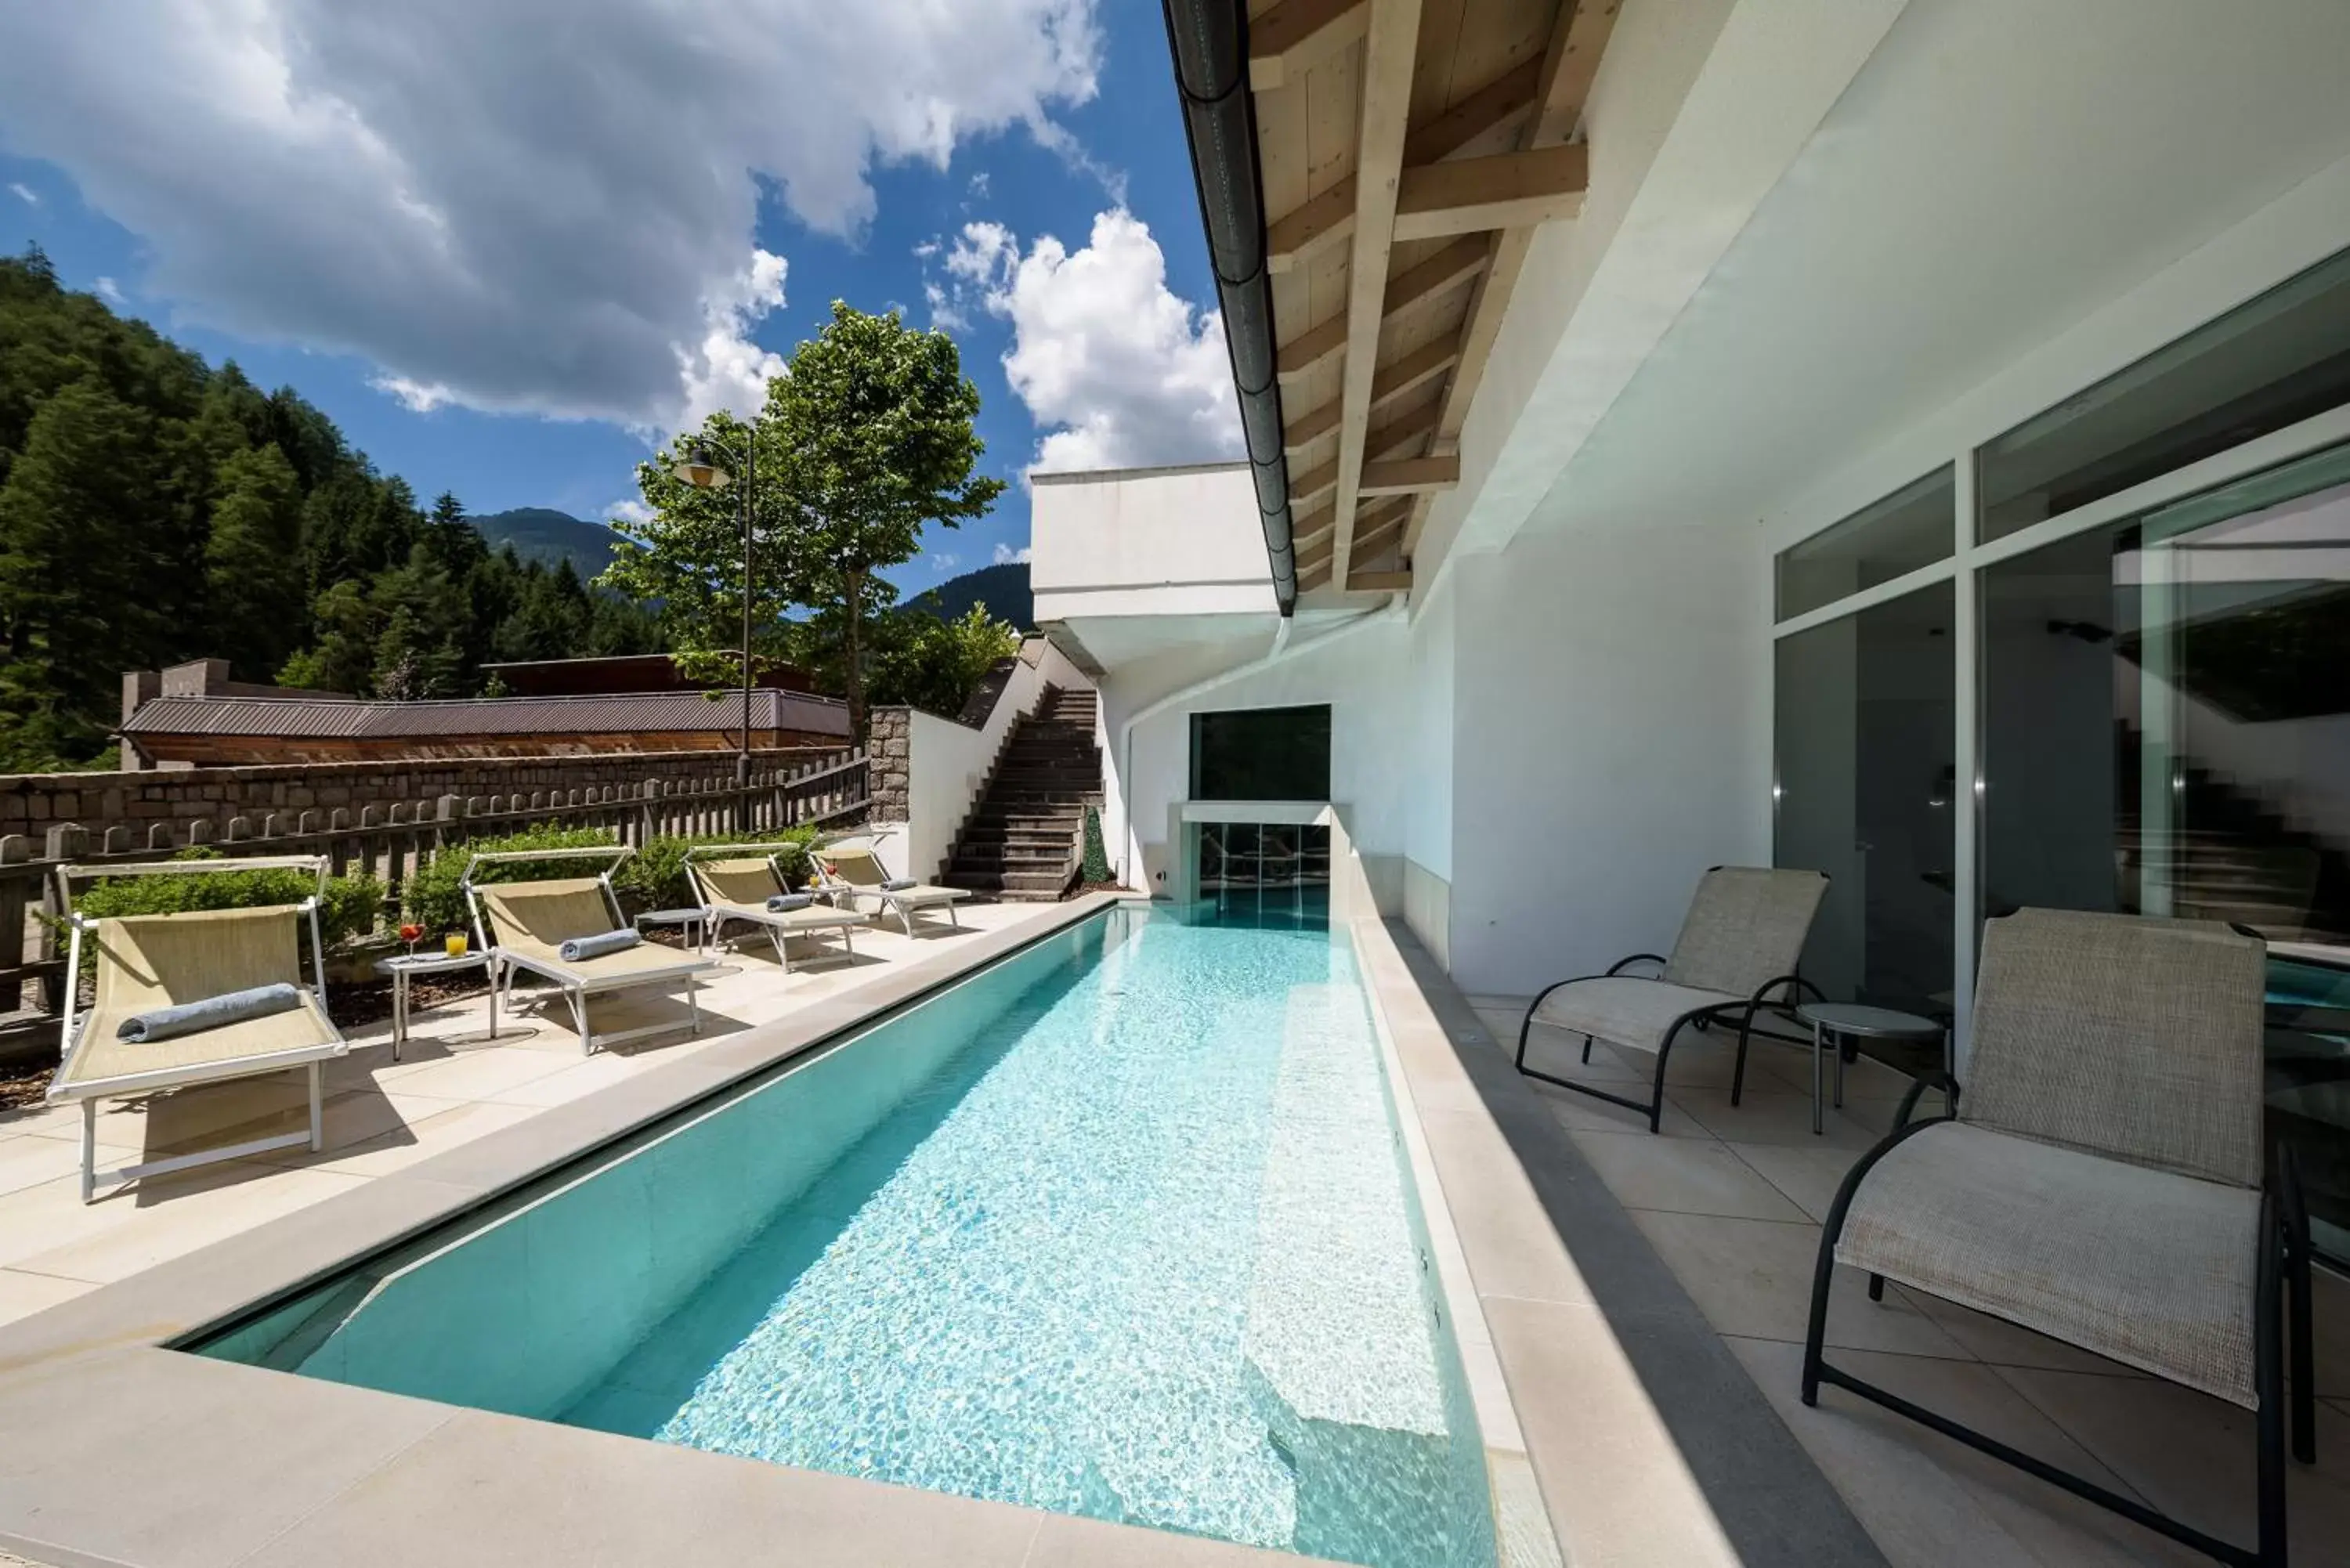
column 1510, row 190
column 1508, row 99
column 1379, row 581
column 1383, row 441
column 1414, row 369
column 1448, row 268
column 1391, row 50
column 1297, row 236
column 1287, row 41
column 1569, row 64
column 1410, row 476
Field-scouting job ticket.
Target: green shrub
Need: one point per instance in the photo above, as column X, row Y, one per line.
column 1096, row 873
column 652, row 878
column 346, row 909
column 433, row 899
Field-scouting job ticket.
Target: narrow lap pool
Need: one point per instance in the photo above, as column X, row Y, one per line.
column 1117, row 1227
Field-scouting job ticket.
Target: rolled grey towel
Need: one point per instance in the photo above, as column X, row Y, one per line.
column 899, row 884
column 210, row 1013
column 783, row 901
column 579, row 948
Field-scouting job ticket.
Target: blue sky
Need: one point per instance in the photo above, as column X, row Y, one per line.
column 504, row 267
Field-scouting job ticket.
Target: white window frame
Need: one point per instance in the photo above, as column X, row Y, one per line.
column 1969, row 559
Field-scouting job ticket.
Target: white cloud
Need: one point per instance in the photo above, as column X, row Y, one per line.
column 24, row 193
column 945, row 563
column 541, row 205
column 628, row 510
column 1006, row 555
column 110, row 292
column 1120, row 370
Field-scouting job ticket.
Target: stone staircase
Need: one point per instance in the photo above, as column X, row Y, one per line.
column 1025, row 836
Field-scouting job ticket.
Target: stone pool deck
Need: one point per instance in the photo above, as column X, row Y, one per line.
column 451, row 1086
column 1731, row 1197
column 1623, row 1302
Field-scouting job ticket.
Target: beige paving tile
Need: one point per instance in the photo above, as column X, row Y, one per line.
column 1511, row 1249
column 1581, row 1113
column 1682, row 1175
column 23, row 1295
column 2192, row 1456
column 170, row 1122
column 575, row 1078
column 1752, row 1278
column 154, row 1220
column 1063, row 1541
column 473, row 1074
column 1928, row 1501
column 484, row 1488
column 424, row 1135
column 2004, row 1344
column 1557, row 1051
column 1617, row 1489
column 27, row 1160
column 353, row 1116
column 152, row 1457
column 1769, row 1116
column 1808, row 1175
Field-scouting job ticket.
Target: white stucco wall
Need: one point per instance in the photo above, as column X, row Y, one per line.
column 1169, row 541
column 1612, row 741
column 1430, row 761
column 1363, row 673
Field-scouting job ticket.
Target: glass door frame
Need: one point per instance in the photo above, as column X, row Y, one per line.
column 1968, row 561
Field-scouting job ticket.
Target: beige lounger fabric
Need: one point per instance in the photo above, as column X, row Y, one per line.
column 1624, row 1010
column 2136, row 1038
column 147, row 961
column 532, row 920
column 2102, row 1182
column 739, row 891
column 861, row 871
column 1745, row 926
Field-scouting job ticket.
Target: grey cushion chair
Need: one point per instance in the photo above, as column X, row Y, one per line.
column 1738, row 946
column 2101, row 1182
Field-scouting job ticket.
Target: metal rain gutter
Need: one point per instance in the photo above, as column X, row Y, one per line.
column 1209, row 39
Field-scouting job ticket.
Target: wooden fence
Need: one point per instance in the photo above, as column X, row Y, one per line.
column 391, row 843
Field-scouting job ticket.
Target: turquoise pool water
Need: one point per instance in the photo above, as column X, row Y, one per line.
column 1118, row 1227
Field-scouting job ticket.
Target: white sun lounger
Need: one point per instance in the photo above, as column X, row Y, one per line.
column 151, row 961
column 850, row 871
column 737, row 887
column 524, row 925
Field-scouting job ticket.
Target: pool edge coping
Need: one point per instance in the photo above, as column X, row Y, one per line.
column 1532, row 1240
column 126, row 1504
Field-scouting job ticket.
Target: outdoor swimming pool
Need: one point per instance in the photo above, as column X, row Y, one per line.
column 1117, row 1227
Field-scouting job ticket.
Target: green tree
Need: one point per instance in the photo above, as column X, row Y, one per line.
column 874, row 421
column 935, row 665
column 343, row 657
column 254, row 579
column 78, row 572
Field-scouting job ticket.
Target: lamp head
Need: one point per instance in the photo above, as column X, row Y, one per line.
column 699, row 466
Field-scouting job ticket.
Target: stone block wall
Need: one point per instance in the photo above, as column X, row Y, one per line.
column 891, row 746
column 31, row 803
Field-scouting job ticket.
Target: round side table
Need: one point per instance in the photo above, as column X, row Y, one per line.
column 1842, row 1021
column 403, row 967
column 691, row 923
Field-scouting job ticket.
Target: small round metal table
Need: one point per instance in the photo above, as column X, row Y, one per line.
column 1842, row 1021
column 403, row 967
column 693, row 924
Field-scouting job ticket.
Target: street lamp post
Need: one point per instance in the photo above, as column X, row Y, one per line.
column 700, row 468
